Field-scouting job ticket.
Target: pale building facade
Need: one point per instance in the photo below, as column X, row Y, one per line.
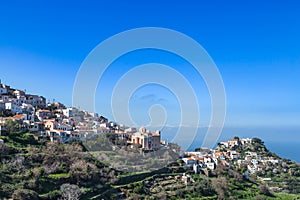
column 148, row 141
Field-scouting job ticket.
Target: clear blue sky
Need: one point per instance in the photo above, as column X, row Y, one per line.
column 255, row 44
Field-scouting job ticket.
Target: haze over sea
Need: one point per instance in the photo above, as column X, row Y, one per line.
column 284, row 141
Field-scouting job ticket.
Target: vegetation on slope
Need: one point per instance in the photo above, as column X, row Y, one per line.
column 38, row 170
column 34, row 170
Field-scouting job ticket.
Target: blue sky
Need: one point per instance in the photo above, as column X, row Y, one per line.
column 256, row 46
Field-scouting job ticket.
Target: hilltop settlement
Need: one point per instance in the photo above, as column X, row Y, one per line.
column 50, row 151
column 56, row 123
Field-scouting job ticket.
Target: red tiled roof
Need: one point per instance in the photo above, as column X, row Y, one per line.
column 19, row 116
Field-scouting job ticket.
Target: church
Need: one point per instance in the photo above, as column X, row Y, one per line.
column 148, row 141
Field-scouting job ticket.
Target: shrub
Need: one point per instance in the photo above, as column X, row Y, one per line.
column 70, row 191
column 53, row 195
column 265, row 190
column 24, row 194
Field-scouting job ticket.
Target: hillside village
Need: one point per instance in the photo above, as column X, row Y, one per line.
column 227, row 153
column 56, row 123
column 242, row 167
column 247, row 155
column 59, row 124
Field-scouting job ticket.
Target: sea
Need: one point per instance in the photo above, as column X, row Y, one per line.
column 284, row 141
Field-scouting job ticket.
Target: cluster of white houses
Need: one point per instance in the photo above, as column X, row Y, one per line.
column 57, row 123
column 224, row 155
column 18, row 101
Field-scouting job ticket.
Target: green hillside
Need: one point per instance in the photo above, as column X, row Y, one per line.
column 33, row 169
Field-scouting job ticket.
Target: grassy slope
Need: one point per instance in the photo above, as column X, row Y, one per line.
column 33, row 173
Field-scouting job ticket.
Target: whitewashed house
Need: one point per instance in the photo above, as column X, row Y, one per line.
column 210, row 165
column 13, row 107
column 189, row 161
column 207, row 159
column 4, row 98
column 18, row 93
column 102, row 130
column 69, row 121
column 70, row 112
column 234, row 155
column 246, row 141
column 197, row 168
column 43, row 114
column 27, row 108
column 36, row 127
column 64, row 127
column 130, row 130
column 36, row 101
column 51, row 124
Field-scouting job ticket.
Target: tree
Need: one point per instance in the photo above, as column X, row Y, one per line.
column 24, row 194
column 257, row 141
column 265, row 190
column 4, row 150
column 6, row 113
column 236, row 138
column 220, row 185
column 11, row 126
column 138, row 188
column 259, row 197
column 70, row 192
column 198, row 149
column 180, row 162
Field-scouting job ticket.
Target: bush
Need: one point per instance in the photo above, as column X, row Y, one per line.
column 138, row 188
column 11, row 126
column 53, row 195
column 4, row 150
column 24, row 194
column 265, row 190
column 70, row 191
column 259, row 198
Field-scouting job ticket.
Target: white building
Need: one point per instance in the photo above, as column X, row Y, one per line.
column 18, row 93
column 36, row 126
column 148, row 141
column 22, row 117
column 207, row 159
column 65, row 127
column 27, row 108
column 130, row 130
column 104, row 125
column 189, row 161
column 4, row 98
column 94, row 115
column 35, row 100
column 225, row 144
column 196, row 168
column 70, row 112
column 13, row 107
column 234, row 155
column 43, row 114
column 246, row 141
column 210, row 165
column 68, row 121
column 101, row 130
